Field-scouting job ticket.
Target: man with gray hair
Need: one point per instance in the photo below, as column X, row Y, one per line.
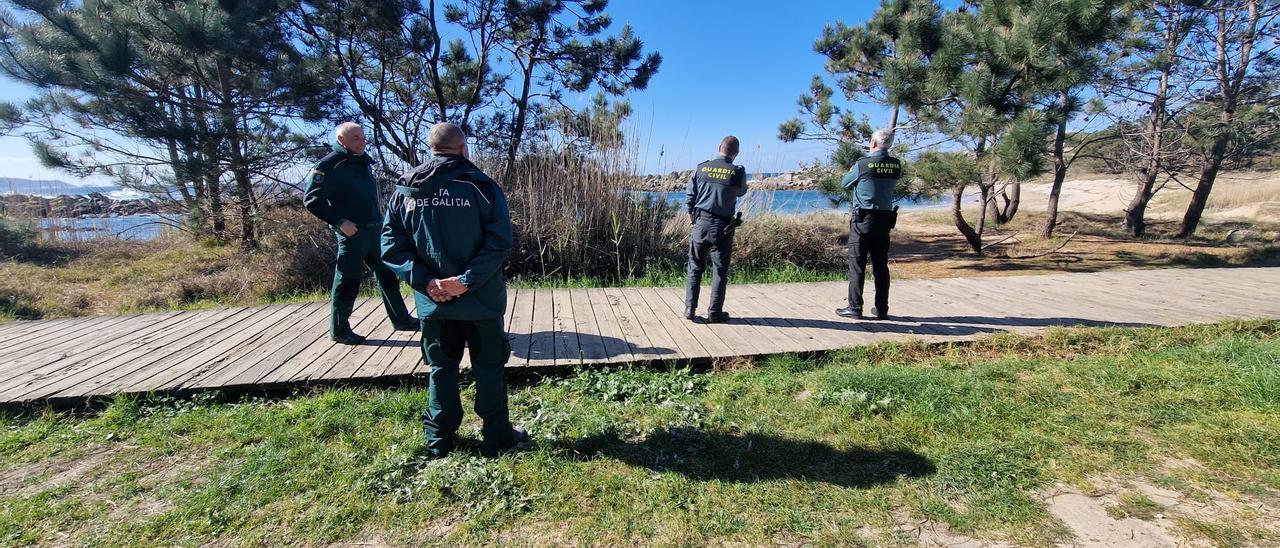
column 873, row 180
column 342, row 192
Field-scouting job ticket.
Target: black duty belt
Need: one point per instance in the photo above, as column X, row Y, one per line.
column 720, row 217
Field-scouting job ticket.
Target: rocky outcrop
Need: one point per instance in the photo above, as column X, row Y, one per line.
column 90, row 205
column 805, row 179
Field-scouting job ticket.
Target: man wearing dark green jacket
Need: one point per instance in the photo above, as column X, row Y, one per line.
column 342, row 192
column 447, row 233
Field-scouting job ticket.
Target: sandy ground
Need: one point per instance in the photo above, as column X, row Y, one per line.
column 1245, row 196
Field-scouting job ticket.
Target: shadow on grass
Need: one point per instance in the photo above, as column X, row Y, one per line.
column 748, row 458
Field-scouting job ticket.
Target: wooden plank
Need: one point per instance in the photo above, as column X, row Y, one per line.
column 316, row 361
column 818, row 304
column 653, row 327
column 406, row 357
column 567, row 349
column 85, row 380
column 520, row 327
column 131, row 347
column 360, row 362
column 14, row 329
column 615, row 341
column 587, row 325
column 750, row 307
column 197, row 358
column 294, row 356
column 38, row 338
column 87, row 345
column 670, row 307
column 542, row 343
column 652, row 343
column 299, row 322
column 132, row 377
column 826, row 332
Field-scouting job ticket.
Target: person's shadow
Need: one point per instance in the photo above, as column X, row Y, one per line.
column 748, row 458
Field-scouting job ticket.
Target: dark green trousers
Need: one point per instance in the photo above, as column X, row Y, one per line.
column 354, row 254
column 442, row 344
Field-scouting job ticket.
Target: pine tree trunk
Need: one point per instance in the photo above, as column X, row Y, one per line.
column 1208, row 174
column 239, row 170
column 522, row 113
column 957, row 215
column 1135, row 215
column 1059, row 171
column 1012, row 200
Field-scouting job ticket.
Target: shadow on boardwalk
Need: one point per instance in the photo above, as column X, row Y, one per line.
column 748, row 458
column 542, row 346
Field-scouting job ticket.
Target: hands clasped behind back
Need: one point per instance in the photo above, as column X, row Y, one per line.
column 445, row 290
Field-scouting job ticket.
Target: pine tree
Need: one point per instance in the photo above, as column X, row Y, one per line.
column 1081, row 37
column 398, row 72
column 1152, row 80
column 203, row 89
column 883, row 61
column 1242, row 60
column 556, row 46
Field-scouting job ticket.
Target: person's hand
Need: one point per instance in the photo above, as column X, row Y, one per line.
column 692, row 219
column 437, row 293
column 452, row 286
column 349, row 228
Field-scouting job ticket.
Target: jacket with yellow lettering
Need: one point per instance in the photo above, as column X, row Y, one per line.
column 445, row 219
column 873, row 180
column 715, row 187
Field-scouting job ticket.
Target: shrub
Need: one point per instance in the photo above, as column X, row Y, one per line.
column 15, row 236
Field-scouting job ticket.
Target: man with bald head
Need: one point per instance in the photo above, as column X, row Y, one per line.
column 342, row 192
column 447, row 233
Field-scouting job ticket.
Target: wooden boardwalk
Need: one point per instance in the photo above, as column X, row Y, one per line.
column 280, row 344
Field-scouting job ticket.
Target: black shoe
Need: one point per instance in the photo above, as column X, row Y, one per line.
column 690, row 314
column 880, row 314
column 407, row 326
column 848, row 312
column 347, row 338
column 519, row 441
column 717, row 317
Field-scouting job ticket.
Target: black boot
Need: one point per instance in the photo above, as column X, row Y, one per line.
column 347, row 338
column 717, row 317
column 881, row 313
column 849, row 312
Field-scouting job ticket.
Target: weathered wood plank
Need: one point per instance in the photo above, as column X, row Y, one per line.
column 300, row 321
column 89, row 379
column 542, row 337
column 568, row 350
column 617, row 346
column 587, row 326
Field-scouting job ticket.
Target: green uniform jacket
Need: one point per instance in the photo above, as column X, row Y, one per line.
column 342, row 188
column 873, row 181
column 447, row 218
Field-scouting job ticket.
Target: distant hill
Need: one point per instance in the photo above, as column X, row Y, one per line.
column 10, row 185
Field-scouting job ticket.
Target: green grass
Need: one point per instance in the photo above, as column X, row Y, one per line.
column 819, row 450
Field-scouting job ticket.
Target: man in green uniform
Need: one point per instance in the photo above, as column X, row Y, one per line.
column 342, row 192
column 447, row 233
column 873, row 180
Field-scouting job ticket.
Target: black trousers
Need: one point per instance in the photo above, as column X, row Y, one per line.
column 869, row 238
column 710, row 239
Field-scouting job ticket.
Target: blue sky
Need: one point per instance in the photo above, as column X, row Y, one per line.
column 729, row 67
